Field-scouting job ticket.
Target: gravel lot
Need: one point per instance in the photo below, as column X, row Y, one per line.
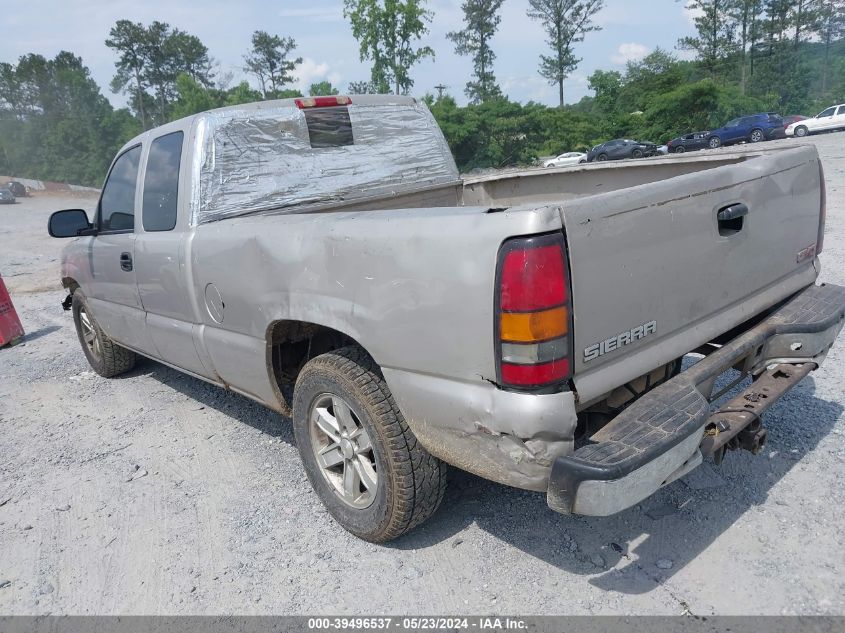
column 156, row 493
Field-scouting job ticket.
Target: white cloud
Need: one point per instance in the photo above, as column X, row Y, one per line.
column 629, row 52
column 310, row 72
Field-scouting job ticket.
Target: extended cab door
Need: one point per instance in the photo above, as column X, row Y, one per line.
column 113, row 293
column 165, row 287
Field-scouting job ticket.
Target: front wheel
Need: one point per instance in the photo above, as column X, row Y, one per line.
column 106, row 357
column 680, row 150
column 715, row 142
column 361, row 458
column 602, row 157
column 637, row 153
column 757, row 136
column 801, row 131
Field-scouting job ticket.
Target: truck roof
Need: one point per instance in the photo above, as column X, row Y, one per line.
column 186, row 122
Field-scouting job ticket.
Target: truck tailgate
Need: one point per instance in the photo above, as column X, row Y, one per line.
column 655, row 275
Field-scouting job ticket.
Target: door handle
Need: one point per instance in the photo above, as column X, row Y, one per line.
column 126, row 261
column 732, row 212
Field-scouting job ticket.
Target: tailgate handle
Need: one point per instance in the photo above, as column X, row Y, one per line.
column 730, row 218
column 732, row 212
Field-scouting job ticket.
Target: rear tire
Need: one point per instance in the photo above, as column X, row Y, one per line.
column 715, row 142
column 106, row 357
column 362, row 460
column 757, row 136
column 801, row 131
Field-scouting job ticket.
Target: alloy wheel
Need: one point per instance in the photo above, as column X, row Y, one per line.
column 90, row 335
column 343, row 450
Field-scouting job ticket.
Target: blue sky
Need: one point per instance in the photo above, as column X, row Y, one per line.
column 630, row 29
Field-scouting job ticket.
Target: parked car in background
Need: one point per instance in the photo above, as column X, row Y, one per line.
column 564, row 160
column 829, row 119
column 6, row 196
column 619, row 148
column 789, row 119
column 688, row 142
column 752, row 129
column 17, row 189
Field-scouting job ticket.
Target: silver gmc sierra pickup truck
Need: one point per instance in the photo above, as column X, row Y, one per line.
column 323, row 257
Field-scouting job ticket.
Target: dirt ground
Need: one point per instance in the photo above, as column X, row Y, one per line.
column 156, row 493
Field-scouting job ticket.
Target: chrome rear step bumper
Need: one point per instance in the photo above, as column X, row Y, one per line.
column 662, row 436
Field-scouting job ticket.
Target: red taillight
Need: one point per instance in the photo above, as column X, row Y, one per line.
column 533, row 313
column 321, row 102
column 535, row 375
column 822, row 210
column 533, row 279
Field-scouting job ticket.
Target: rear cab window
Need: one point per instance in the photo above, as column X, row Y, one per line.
column 329, row 127
column 117, row 204
column 161, row 183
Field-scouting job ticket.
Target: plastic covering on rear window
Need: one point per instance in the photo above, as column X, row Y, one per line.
column 249, row 161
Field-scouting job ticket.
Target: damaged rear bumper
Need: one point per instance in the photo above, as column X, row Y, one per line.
column 662, row 435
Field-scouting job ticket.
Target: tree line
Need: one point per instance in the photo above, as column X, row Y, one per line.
column 749, row 56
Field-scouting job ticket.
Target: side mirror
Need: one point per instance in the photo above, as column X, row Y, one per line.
column 69, row 223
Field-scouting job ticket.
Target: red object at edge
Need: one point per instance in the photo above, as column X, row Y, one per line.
column 10, row 325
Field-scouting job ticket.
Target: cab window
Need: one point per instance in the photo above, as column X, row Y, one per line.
column 827, row 113
column 161, row 183
column 841, row 110
column 117, row 204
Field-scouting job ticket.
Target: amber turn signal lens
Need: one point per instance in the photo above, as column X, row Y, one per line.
column 530, row 327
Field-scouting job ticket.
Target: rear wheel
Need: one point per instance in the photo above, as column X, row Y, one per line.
column 801, row 131
column 363, row 461
column 714, row 142
column 106, row 357
column 757, row 136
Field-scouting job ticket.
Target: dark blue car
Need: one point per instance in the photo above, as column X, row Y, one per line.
column 753, row 129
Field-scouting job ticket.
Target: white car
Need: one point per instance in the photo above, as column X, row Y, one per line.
column 833, row 118
column 564, row 160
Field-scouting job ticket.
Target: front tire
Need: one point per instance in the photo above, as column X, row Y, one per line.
column 801, row 131
column 680, row 150
column 106, row 357
column 602, row 157
column 361, row 458
column 715, row 142
column 637, row 153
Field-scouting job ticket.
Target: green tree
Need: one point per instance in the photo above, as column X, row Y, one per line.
column 481, row 18
column 715, row 39
column 193, row 97
column 361, row 88
column 62, row 128
column 386, row 31
column 607, row 86
column 242, row 93
column 744, row 15
column 129, row 40
column 269, row 60
column 322, row 89
column 566, row 23
column 830, row 26
column 152, row 57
